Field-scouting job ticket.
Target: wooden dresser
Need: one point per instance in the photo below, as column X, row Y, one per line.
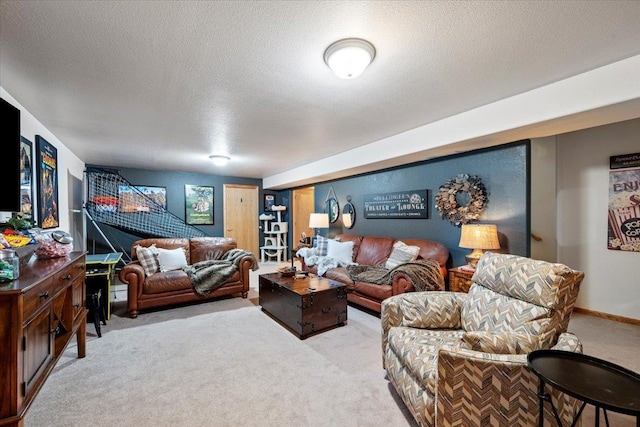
column 40, row 312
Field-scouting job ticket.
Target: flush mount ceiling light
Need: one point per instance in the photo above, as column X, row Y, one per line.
column 219, row 160
column 348, row 58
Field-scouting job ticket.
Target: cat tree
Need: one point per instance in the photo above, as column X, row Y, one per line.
column 275, row 236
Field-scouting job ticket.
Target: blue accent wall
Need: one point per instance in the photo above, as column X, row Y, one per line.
column 503, row 170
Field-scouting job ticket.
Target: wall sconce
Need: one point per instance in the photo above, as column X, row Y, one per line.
column 348, row 214
column 478, row 237
column 318, row 221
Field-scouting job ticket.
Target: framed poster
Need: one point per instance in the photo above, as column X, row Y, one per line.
column 47, row 176
column 26, row 178
column 269, row 201
column 141, row 198
column 198, row 205
column 624, row 210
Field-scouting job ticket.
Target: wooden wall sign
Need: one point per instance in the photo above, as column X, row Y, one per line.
column 401, row 204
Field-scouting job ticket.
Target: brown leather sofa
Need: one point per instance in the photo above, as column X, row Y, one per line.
column 370, row 250
column 174, row 287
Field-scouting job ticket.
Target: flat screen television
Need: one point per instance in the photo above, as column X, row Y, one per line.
column 10, row 165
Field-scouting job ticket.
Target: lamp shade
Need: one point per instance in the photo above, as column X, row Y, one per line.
column 479, row 236
column 348, row 58
column 319, row 220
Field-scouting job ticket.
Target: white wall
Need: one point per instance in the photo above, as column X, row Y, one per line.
column 68, row 163
column 612, row 278
column 543, row 198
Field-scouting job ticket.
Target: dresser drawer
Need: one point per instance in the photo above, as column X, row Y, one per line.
column 68, row 274
column 36, row 297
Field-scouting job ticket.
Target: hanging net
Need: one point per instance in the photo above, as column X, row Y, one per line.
column 113, row 201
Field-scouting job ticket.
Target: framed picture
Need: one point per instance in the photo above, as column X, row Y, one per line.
column 269, row 201
column 141, row 198
column 333, row 209
column 198, row 205
column 26, row 178
column 47, row 176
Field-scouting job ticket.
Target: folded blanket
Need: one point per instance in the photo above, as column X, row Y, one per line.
column 207, row 276
column 425, row 274
column 322, row 263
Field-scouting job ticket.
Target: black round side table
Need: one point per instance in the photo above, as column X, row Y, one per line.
column 593, row 381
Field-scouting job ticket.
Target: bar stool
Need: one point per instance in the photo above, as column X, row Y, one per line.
column 97, row 310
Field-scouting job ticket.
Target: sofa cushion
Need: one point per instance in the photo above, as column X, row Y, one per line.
column 379, row 292
column 502, row 342
column 374, row 250
column 486, row 310
column 402, row 253
column 430, row 249
column 148, row 258
column 175, row 280
column 418, row 349
column 537, row 282
column 171, row 259
column 206, row 248
column 342, row 251
column 433, row 310
column 339, row 274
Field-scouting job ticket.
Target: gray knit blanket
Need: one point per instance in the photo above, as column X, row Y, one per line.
column 207, row 276
column 425, row 274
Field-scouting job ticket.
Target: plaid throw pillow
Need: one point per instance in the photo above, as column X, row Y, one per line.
column 148, row 258
column 322, row 246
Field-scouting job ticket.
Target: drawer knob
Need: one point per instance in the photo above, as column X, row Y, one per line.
column 44, row 295
column 76, row 305
column 67, row 277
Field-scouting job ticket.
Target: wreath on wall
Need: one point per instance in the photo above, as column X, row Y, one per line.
column 448, row 199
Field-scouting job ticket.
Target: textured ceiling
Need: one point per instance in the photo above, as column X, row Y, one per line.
column 162, row 85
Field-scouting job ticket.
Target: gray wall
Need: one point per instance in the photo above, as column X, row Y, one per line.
column 503, row 171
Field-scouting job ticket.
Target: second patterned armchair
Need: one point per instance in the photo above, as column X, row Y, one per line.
column 460, row 359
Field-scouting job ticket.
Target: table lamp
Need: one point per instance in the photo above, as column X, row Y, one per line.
column 318, row 221
column 478, row 237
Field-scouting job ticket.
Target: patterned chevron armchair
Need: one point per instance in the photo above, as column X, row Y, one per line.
column 460, row 359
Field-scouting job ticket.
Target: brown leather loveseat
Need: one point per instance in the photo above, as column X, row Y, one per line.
column 374, row 251
column 174, row 287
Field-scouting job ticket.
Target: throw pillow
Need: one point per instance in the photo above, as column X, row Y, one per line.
column 171, row 259
column 402, row 253
column 321, row 246
column 342, row 251
column 502, row 342
column 148, row 259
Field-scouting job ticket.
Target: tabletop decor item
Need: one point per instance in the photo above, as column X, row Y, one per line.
column 462, row 199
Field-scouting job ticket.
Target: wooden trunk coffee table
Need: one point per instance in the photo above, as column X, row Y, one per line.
column 305, row 306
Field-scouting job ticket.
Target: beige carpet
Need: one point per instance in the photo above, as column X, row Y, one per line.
column 225, row 363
